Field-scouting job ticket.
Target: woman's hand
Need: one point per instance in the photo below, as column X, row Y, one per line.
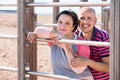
column 79, row 61
column 31, row 36
column 66, row 47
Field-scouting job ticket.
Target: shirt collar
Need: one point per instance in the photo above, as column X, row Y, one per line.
column 94, row 32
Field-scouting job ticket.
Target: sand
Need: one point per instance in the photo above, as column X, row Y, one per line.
column 8, row 47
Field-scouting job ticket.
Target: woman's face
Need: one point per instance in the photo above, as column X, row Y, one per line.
column 65, row 24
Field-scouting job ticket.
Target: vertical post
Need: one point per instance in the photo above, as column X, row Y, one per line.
column 27, row 59
column 115, row 40
column 83, row 1
column 55, row 13
column 106, row 18
column 103, row 27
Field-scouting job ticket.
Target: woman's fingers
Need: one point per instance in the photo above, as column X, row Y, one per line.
column 31, row 37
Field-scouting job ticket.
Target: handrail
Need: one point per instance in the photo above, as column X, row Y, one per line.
column 8, row 4
column 82, row 42
column 8, row 11
column 8, row 69
column 50, row 75
column 8, row 36
column 54, row 25
column 78, row 4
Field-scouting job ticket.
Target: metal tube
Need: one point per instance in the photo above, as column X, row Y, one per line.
column 8, row 36
column 8, row 4
column 39, row 4
column 82, row 42
column 43, row 74
column 8, row 69
column 54, row 25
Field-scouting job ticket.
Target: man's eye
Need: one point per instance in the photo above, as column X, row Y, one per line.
column 89, row 18
column 82, row 18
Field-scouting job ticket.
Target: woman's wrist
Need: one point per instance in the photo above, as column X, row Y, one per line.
column 51, row 34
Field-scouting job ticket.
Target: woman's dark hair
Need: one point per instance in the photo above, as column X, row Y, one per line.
column 74, row 18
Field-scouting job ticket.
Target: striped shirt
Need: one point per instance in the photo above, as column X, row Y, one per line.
column 98, row 52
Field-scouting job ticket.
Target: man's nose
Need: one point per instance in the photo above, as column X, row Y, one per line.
column 85, row 21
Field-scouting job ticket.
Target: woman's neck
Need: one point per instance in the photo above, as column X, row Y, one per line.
column 70, row 36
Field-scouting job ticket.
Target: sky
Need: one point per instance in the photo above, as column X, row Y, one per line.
column 48, row 10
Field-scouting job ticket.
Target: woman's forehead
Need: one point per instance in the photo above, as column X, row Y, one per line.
column 65, row 17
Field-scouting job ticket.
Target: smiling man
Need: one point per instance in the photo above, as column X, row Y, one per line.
column 99, row 56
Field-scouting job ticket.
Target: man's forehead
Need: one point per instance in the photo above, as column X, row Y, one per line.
column 87, row 14
column 86, row 9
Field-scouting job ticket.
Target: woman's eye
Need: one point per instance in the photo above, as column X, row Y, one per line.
column 60, row 22
column 68, row 23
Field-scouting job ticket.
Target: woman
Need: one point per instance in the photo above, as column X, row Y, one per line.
column 62, row 54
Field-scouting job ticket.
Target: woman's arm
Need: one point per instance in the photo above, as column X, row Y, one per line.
column 69, row 54
column 42, row 32
column 99, row 66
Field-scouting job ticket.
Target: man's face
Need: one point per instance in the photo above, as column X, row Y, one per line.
column 87, row 21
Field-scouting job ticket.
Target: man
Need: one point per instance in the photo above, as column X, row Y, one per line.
column 99, row 56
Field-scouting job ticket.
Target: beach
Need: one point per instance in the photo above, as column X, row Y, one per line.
column 8, row 47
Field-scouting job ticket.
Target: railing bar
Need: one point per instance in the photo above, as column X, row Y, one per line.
column 47, row 25
column 8, row 36
column 42, row 43
column 8, row 69
column 82, row 42
column 92, row 43
column 39, row 4
column 8, row 11
column 50, row 75
column 39, row 24
column 8, row 4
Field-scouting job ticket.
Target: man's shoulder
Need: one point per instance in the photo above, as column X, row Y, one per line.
column 101, row 34
column 101, row 31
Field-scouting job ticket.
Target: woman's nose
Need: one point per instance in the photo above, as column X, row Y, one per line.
column 62, row 26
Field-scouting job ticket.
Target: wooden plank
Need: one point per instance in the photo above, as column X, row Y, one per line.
column 55, row 13
column 115, row 40
column 102, row 17
column 27, row 59
column 106, row 19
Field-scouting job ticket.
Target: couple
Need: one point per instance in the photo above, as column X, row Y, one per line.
column 77, row 61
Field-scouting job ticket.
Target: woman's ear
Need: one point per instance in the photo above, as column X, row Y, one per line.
column 78, row 22
column 95, row 19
